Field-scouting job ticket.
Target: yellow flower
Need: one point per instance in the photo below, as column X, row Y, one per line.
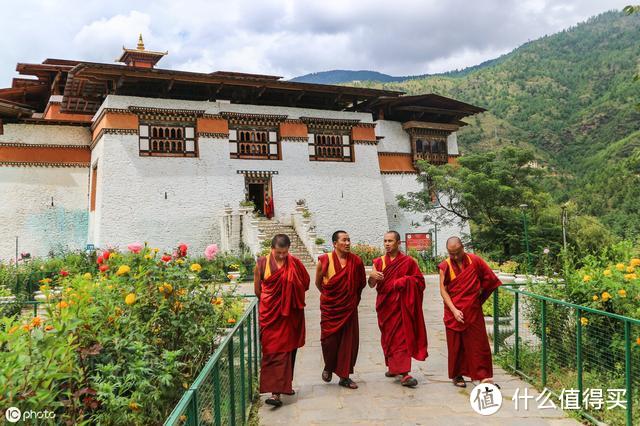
column 630, row 277
column 631, row 269
column 605, row 296
column 155, row 250
column 607, row 273
column 584, row 321
column 177, row 306
column 123, row 269
column 195, row 267
column 586, row 278
column 45, row 281
column 595, row 297
column 179, row 261
column 620, row 266
column 622, row 293
column 87, row 276
column 181, row 292
column 44, row 288
column 185, row 385
column 148, row 256
column 635, row 262
column 168, row 288
column 217, row 301
column 134, row 406
column 130, row 299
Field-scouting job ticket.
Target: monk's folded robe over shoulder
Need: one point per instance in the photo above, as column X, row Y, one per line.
column 339, row 300
column 282, row 324
column 399, row 308
column 467, row 342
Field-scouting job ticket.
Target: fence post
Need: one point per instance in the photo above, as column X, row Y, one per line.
column 627, row 370
column 192, row 409
column 516, row 348
column 243, row 390
column 250, row 356
column 216, row 394
column 544, row 342
column 496, row 328
column 579, row 354
column 232, row 385
column 256, row 340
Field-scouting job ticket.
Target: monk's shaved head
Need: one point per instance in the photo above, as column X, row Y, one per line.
column 454, row 241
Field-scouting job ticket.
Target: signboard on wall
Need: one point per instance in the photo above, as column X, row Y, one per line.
column 420, row 241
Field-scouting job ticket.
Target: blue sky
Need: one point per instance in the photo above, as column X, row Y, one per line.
column 285, row 37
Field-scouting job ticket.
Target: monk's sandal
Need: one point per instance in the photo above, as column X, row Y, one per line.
column 409, row 381
column 276, row 402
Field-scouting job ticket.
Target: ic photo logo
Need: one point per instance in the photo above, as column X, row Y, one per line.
column 13, row 414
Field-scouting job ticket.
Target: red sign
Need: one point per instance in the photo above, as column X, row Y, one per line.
column 418, row 241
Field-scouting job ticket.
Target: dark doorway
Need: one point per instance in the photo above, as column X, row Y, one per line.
column 256, row 195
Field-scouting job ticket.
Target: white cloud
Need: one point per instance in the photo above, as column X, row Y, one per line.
column 285, row 37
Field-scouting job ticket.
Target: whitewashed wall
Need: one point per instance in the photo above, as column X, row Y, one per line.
column 26, row 195
column 395, row 138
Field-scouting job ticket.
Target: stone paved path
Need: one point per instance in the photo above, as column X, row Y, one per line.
column 382, row 401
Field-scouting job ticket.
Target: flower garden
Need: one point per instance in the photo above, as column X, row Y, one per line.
column 117, row 337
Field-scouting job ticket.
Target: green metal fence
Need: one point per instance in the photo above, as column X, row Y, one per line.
column 568, row 348
column 225, row 388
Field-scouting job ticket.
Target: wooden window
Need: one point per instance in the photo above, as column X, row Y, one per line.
column 432, row 149
column 260, row 144
column 172, row 140
column 94, row 183
column 330, row 147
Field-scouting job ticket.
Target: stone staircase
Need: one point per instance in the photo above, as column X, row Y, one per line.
column 272, row 227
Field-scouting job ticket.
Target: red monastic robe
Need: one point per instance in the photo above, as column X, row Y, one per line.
column 282, row 327
column 268, row 208
column 339, row 299
column 467, row 343
column 399, row 308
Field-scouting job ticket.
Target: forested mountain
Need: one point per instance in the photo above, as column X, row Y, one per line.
column 571, row 97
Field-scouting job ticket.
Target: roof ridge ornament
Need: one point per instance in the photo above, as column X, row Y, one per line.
column 140, row 42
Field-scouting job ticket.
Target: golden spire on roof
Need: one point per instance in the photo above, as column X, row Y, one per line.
column 140, row 43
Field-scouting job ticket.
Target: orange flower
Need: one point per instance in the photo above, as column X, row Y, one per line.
column 48, row 327
column 638, row 341
column 605, row 296
column 634, row 262
column 62, row 305
column 27, row 327
column 231, row 320
column 631, row 269
column 134, row 406
column 622, row 293
column 16, row 327
column 130, row 299
column 36, row 322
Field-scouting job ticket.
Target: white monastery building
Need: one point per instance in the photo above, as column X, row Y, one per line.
column 109, row 154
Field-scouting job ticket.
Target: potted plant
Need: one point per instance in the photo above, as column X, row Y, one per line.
column 319, row 241
column 233, row 273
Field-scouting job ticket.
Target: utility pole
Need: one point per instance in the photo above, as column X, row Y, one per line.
column 526, row 236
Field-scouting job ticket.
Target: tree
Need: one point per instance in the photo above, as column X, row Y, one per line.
column 487, row 190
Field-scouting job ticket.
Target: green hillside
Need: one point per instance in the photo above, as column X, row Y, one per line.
column 571, row 97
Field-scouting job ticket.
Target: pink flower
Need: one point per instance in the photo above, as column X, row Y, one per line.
column 135, row 247
column 211, row 251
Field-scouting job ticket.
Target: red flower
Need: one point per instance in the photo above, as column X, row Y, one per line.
column 63, row 273
column 106, row 255
column 183, row 249
column 104, row 268
column 99, row 260
column 166, row 258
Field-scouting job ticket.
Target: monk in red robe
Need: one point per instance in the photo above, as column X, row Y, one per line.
column 340, row 277
column 400, row 285
column 466, row 281
column 268, row 207
column 280, row 282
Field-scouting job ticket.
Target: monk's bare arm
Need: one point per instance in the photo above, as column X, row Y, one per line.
column 445, row 294
column 319, row 276
column 374, row 277
column 256, row 281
